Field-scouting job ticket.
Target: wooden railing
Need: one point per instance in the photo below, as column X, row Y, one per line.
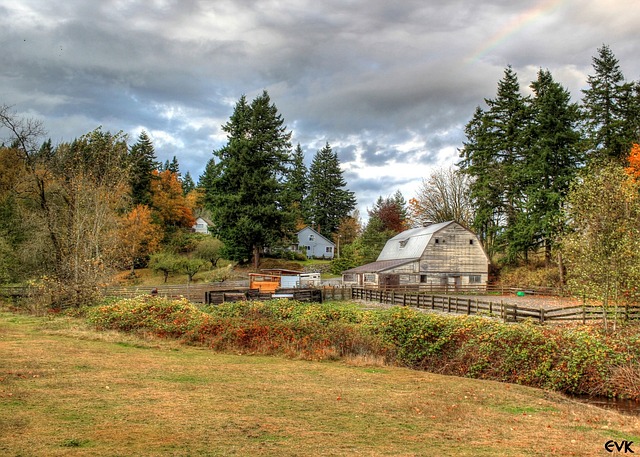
column 472, row 289
column 509, row 312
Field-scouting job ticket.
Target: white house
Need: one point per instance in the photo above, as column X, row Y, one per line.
column 445, row 254
column 314, row 244
column 202, row 225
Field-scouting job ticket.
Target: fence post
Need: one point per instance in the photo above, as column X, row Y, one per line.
column 449, row 304
column 468, row 306
column 515, row 313
column 433, row 302
column 542, row 315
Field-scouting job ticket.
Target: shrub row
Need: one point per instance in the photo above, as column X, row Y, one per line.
column 570, row 359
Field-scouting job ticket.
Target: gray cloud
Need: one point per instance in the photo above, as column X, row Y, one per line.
column 386, row 84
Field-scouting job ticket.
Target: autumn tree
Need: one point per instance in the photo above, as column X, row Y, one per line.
column 602, row 246
column 139, row 236
column 633, row 168
column 169, row 202
column 443, row 197
column 391, row 212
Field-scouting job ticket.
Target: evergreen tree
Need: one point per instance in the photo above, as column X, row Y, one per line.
column 244, row 189
column 493, row 157
column 297, row 187
column 551, row 163
column 142, row 160
column 610, row 109
column 328, row 200
column 187, row 183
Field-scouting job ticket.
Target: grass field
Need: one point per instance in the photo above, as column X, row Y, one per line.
column 67, row 390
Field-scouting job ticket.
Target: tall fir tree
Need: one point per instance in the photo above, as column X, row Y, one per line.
column 244, row 189
column 297, row 187
column 143, row 162
column 493, row 156
column 187, row 183
column 610, row 109
column 329, row 201
column 552, row 160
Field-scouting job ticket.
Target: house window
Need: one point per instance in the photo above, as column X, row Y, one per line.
column 369, row 277
column 475, row 279
column 312, row 237
column 329, row 249
column 308, row 248
column 350, row 277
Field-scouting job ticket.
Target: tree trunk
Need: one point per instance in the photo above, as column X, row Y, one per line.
column 256, row 257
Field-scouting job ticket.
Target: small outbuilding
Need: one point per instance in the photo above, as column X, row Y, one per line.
column 444, row 255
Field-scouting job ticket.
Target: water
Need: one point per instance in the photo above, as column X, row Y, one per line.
column 631, row 407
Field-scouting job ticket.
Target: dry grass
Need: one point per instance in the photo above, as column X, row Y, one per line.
column 67, row 390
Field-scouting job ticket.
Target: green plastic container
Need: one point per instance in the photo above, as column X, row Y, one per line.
column 520, row 294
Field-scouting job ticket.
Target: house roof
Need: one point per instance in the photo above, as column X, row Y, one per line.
column 376, row 267
column 411, row 243
column 207, row 221
column 315, row 232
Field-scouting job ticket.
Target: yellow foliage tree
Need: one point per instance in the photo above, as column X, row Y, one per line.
column 168, row 200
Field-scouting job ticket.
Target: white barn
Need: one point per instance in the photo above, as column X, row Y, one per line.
column 444, row 255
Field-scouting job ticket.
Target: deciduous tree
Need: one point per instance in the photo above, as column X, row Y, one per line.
column 444, row 196
column 139, row 236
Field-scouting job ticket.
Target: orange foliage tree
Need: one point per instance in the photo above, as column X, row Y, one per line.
column 171, row 206
column 139, row 236
column 633, row 169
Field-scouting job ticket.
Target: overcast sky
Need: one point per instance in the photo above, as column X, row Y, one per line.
column 390, row 85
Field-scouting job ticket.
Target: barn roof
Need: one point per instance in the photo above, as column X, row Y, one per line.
column 411, row 243
column 379, row 266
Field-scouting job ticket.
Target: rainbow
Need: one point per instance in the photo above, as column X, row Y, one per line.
column 515, row 26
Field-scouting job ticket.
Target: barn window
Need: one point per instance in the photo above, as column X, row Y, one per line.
column 475, row 279
column 369, row 277
column 423, row 279
column 349, row 277
column 470, row 241
column 403, row 243
column 437, row 241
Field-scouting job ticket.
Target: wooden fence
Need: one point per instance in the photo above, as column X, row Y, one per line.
column 472, row 289
column 508, row 312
